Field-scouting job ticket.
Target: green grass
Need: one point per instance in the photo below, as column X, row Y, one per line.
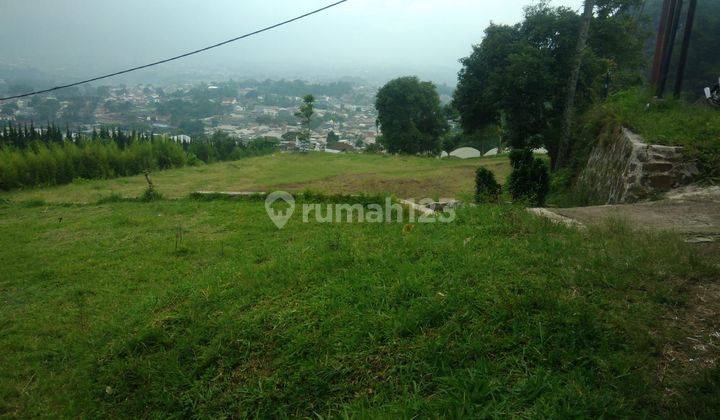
column 184, row 307
column 404, row 176
column 673, row 123
column 670, row 122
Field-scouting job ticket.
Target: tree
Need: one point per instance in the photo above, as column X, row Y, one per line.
column 305, row 114
column 520, row 74
column 410, row 116
column 569, row 111
column 529, row 180
column 487, row 189
column 332, row 137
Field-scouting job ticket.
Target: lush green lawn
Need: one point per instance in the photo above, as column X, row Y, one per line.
column 404, row 176
column 497, row 314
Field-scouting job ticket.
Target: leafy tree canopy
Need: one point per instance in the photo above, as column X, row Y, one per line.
column 517, row 76
column 410, row 116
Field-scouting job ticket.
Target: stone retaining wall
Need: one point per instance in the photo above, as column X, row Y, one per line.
column 626, row 170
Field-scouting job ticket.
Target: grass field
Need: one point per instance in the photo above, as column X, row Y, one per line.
column 180, row 308
column 404, row 176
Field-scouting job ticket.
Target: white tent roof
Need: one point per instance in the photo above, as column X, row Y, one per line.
column 492, row 152
column 466, row 153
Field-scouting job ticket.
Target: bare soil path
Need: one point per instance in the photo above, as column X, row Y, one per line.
column 693, row 212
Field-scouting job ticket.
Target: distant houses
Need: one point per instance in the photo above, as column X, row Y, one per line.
column 182, row 138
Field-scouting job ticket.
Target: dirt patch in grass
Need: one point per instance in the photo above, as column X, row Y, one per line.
column 689, row 366
column 698, row 348
column 359, row 183
column 450, row 183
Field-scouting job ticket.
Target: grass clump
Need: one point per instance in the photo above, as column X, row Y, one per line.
column 150, row 194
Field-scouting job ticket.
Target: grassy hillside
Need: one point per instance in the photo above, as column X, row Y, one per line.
column 669, row 122
column 353, row 173
column 497, row 314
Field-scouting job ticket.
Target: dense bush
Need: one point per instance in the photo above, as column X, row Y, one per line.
column 487, row 189
column 529, row 180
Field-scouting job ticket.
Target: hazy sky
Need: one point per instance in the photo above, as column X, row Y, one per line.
column 361, row 36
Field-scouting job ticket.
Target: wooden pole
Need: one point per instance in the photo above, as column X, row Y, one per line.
column 676, row 10
column 680, row 78
column 660, row 42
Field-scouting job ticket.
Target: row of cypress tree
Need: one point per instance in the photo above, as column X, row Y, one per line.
column 59, row 163
column 44, row 157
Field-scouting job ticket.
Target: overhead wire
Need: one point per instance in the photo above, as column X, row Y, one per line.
column 177, row 57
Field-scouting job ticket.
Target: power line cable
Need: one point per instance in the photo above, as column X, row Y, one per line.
column 259, row 31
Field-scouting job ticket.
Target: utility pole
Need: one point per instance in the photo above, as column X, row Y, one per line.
column 569, row 113
column 680, row 78
column 660, row 42
column 670, row 35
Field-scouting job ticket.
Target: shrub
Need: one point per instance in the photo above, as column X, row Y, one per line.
column 487, row 189
column 530, row 179
column 150, row 194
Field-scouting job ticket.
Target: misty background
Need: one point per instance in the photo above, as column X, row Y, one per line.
column 375, row 40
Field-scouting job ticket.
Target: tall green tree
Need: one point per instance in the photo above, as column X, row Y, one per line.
column 522, row 72
column 305, row 114
column 410, row 116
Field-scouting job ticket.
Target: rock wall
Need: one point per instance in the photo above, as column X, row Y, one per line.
column 624, row 169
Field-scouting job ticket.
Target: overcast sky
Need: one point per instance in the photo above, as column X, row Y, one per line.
column 362, row 36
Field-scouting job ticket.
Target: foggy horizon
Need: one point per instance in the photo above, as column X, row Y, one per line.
column 371, row 39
